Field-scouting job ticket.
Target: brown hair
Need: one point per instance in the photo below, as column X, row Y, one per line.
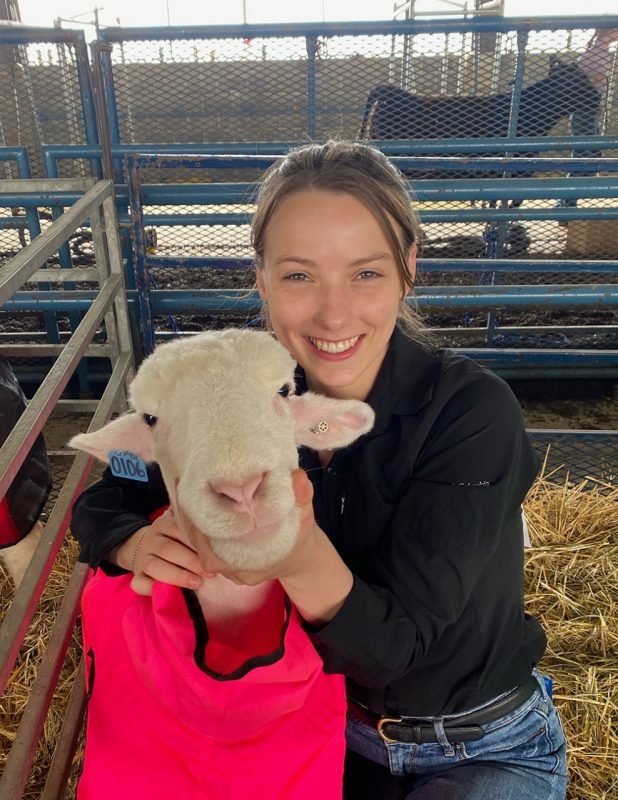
column 350, row 168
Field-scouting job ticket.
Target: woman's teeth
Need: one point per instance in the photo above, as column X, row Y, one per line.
column 334, row 347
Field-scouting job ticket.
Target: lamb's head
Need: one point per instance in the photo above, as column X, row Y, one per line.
column 218, row 413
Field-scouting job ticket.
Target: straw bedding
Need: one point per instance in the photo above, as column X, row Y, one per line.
column 572, row 587
column 571, row 574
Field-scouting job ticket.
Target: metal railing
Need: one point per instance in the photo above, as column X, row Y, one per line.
column 307, row 81
column 109, row 306
column 207, row 198
column 46, row 90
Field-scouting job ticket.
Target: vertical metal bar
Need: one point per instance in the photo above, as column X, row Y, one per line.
column 66, row 745
column 476, row 56
column 107, row 108
column 64, row 253
column 32, row 215
column 408, row 76
column 139, row 254
column 109, row 129
column 101, row 257
column 518, row 82
column 107, row 250
column 502, row 226
column 444, row 67
column 23, row 163
column 312, row 49
column 116, row 267
column 50, row 164
column 87, row 98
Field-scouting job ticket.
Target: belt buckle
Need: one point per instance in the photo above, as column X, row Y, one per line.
column 385, row 721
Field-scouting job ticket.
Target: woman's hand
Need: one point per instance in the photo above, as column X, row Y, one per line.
column 160, row 552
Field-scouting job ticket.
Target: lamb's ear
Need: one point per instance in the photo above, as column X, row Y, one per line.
column 323, row 423
column 128, row 432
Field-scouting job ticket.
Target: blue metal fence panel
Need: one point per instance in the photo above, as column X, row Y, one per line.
column 170, row 301
column 50, row 98
column 228, row 83
column 279, row 85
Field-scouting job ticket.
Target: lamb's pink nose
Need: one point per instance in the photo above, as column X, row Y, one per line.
column 241, row 493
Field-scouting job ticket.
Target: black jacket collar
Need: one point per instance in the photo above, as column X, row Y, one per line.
column 404, row 384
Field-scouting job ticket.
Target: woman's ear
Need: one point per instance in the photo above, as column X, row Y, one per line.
column 260, row 283
column 411, row 264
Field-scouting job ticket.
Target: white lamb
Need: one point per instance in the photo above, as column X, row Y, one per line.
column 230, row 677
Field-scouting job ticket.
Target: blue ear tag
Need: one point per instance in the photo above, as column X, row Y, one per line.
column 127, row 465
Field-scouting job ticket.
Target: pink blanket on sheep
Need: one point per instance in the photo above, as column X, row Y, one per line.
column 161, row 724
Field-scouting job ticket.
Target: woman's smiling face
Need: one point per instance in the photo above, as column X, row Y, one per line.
column 333, row 289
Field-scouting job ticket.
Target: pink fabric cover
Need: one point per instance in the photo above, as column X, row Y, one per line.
column 9, row 535
column 161, row 727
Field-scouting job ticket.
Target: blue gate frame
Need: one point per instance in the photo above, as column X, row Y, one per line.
column 512, row 362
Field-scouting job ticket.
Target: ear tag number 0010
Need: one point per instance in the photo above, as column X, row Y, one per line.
column 127, row 465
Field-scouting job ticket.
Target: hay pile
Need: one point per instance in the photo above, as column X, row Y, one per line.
column 571, row 587
column 13, row 701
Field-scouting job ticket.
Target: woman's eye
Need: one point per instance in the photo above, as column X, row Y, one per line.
column 149, row 420
column 368, row 273
column 296, row 276
column 284, row 391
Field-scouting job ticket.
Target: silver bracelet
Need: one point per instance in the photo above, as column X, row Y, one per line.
column 137, row 547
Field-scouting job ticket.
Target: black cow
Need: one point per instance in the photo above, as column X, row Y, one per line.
column 393, row 113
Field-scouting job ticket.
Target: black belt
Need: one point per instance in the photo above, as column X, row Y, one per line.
column 462, row 728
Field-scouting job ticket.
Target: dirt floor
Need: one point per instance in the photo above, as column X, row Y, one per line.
column 572, row 405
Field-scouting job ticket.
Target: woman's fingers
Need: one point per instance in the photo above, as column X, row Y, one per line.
column 162, row 553
column 165, row 547
column 303, row 488
column 142, row 584
column 156, row 568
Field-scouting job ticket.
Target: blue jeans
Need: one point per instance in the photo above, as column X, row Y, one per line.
column 521, row 757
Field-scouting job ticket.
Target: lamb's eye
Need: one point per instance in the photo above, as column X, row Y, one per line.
column 150, row 420
column 284, row 391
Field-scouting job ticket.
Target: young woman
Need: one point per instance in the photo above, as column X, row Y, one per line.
column 409, row 569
